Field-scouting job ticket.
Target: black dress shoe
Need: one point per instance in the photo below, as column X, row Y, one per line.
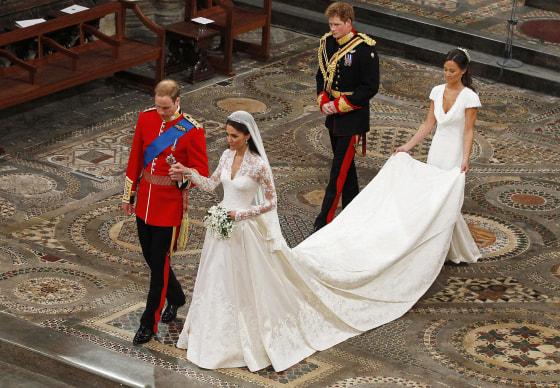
column 170, row 313
column 143, row 335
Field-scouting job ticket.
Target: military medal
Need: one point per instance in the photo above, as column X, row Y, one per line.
column 348, row 59
column 171, row 158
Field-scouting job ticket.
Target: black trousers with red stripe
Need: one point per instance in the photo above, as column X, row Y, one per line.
column 155, row 242
column 343, row 181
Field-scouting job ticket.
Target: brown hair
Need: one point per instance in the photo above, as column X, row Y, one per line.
column 168, row 87
column 343, row 10
column 244, row 130
column 460, row 58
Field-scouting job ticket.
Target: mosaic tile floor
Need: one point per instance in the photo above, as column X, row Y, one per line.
column 486, row 17
column 70, row 259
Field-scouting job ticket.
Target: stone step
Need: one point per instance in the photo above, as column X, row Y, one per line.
column 42, row 357
column 425, row 42
column 23, row 378
column 469, row 37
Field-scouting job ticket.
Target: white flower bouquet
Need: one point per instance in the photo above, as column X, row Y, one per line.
column 218, row 222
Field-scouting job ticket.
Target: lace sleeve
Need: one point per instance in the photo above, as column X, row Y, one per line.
column 263, row 176
column 208, row 184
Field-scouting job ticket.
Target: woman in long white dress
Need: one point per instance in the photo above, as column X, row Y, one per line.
column 256, row 302
column 453, row 108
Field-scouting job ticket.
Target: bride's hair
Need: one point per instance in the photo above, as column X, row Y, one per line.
column 460, row 57
column 243, row 129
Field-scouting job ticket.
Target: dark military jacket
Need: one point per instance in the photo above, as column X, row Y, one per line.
column 348, row 75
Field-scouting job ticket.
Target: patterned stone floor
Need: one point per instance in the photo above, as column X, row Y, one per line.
column 70, row 259
column 486, row 17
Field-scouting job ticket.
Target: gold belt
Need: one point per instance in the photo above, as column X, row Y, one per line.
column 336, row 93
column 160, row 180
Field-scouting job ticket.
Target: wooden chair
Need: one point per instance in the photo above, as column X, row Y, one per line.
column 231, row 21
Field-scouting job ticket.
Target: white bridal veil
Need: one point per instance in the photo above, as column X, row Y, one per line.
column 270, row 217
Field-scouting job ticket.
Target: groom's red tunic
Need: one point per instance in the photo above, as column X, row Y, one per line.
column 161, row 204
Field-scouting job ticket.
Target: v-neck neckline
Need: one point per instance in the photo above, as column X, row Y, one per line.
column 231, row 176
column 454, row 102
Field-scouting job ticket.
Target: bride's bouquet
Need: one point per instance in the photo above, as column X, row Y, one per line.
column 218, row 222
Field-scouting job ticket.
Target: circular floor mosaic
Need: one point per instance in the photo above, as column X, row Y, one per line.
column 411, row 85
column 26, row 184
column 507, row 107
column 496, row 239
column 105, row 215
column 512, row 198
column 12, row 256
column 531, row 199
column 519, row 346
column 511, row 352
column 232, row 104
column 50, row 290
column 7, row 210
column 377, row 381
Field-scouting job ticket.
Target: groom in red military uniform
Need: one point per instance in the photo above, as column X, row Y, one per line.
column 348, row 77
column 164, row 135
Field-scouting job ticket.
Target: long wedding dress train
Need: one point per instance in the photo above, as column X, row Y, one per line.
column 255, row 306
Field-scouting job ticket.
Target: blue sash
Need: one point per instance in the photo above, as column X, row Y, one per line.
column 166, row 139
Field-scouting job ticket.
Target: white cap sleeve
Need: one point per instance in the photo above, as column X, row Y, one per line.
column 436, row 91
column 471, row 99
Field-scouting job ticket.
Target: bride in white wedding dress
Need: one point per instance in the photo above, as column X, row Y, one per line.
column 256, row 302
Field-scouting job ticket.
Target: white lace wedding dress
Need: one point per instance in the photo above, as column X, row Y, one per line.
column 254, row 305
column 446, row 151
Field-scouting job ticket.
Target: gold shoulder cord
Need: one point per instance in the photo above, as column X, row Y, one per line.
column 323, row 58
column 193, row 121
column 329, row 71
column 367, row 39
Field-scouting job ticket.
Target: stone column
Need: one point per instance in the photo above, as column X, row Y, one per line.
column 134, row 27
column 169, row 11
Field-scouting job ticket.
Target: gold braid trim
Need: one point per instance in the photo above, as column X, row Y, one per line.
column 346, row 38
column 172, row 246
column 343, row 106
column 328, row 66
column 128, row 193
column 183, row 232
column 322, row 54
column 193, row 121
column 367, row 39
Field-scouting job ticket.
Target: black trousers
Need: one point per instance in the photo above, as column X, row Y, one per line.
column 155, row 242
column 343, row 181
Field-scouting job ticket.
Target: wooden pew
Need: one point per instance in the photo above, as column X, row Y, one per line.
column 232, row 20
column 88, row 60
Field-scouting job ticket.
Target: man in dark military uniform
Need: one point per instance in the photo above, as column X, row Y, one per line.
column 348, row 77
column 164, row 135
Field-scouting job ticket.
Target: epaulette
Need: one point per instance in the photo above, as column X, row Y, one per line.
column 191, row 120
column 367, row 39
column 149, row 109
column 326, row 35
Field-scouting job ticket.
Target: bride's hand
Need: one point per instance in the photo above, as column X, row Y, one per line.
column 231, row 213
column 177, row 171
